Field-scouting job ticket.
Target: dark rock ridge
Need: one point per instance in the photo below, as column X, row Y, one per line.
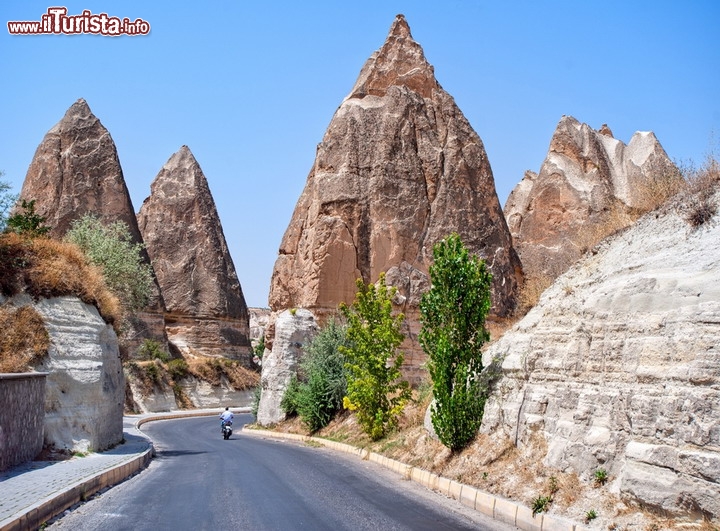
column 206, row 310
column 399, row 168
column 587, row 178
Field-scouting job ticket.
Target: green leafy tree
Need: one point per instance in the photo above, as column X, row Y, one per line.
column 7, row 200
column 374, row 388
column 322, row 385
column 111, row 248
column 28, row 222
column 453, row 331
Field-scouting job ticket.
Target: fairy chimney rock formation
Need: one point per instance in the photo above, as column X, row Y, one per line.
column 399, row 168
column 76, row 171
column 206, row 310
column 586, row 177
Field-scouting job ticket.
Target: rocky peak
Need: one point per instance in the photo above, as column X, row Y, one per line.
column 400, row 62
column 193, row 265
column 206, row 310
column 587, row 178
column 75, row 171
column 399, row 169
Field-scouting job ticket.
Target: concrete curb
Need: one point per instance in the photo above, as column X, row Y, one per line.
column 37, row 514
column 497, row 508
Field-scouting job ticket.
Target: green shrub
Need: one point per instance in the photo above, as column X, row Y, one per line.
column 289, row 402
column 541, row 504
column 152, row 350
column 453, row 332
column 7, row 200
column 178, row 369
column 600, row 477
column 374, row 388
column 28, row 223
column 111, row 248
column 323, row 383
column 257, row 393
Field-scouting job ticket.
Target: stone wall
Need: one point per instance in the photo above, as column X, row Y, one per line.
column 22, row 415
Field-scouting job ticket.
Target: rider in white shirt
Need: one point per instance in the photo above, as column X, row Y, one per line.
column 226, row 417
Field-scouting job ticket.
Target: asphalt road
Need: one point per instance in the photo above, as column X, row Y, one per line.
column 199, row 481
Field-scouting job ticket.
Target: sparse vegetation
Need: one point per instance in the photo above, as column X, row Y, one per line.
column 42, row 267
column 24, row 340
column 702, row 185
column 453, row 332
column 7, row 200
column 152, row 350
column 600, row 477
column 590, row 516
column 541, row 504
column 375, row 390
column 28, row 223
column 530, row 292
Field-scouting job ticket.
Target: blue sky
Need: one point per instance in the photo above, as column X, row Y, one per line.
column 250, row 87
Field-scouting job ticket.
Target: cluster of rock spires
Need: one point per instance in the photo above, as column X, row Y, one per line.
column 586, row 176
column 198, row 308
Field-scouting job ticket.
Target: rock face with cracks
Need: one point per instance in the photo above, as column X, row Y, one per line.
column 293, row 330
column 618, row 366
column 587, row 177
column 206, row 310
column 399, row 168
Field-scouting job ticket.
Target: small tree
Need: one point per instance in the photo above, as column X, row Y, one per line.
column 110, row 247
column 323, row 383
column 7, row 200
column 28, row 222
column 453, row 331
column 375, row 390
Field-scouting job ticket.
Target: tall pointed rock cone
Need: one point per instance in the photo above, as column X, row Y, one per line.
column 76, row 171
column 206, row 310
column 589, row 185
column 399, row 169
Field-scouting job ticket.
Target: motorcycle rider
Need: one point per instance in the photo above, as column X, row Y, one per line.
column 226, row 417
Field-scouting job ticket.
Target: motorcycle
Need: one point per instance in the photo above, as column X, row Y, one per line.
column 226, row 428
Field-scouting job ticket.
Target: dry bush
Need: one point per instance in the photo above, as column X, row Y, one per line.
column 213, row 370
column 612, row 221
column 24, row 339
column 658, row 189
column 43, row 267
column 700, row 207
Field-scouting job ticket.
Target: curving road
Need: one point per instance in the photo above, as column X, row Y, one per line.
column 200, row 481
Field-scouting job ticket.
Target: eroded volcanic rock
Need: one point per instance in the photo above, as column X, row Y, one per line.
column 618, row 367
column 399, row 168
column 587, row 177
column 206, row 310
column 76, row 171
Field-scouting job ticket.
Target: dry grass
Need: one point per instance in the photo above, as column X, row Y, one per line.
column 43, row 267
column 213, row 370
column 697, row 203
column 530, row 292
column 24, row 339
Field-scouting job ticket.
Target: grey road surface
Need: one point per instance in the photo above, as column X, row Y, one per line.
column 199, row 481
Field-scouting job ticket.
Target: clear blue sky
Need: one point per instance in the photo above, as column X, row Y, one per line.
column 250, row 87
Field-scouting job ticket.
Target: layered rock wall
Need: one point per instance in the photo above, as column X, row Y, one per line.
column 618, row 367
column 22, row 418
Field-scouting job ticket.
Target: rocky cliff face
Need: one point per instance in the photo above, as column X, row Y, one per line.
column 76, row 171
column 206, row 310
column 587, row 176
column 292, row 331
column 85, row 387
column 398, row 169
column 618, row 366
